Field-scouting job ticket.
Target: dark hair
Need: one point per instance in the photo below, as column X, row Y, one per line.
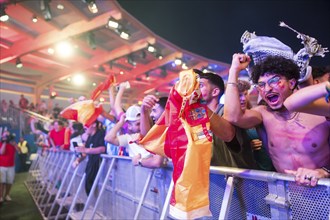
column 59, row 122
column 276, row 65
column 99, row 125
column 213, row 78
column 318, row 71
column 78, row 129
column 162, row 102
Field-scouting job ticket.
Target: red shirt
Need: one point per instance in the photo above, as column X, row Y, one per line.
column 8, row 158
column 57, row 136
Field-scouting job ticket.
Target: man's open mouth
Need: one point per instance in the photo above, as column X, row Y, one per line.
column 272, row 98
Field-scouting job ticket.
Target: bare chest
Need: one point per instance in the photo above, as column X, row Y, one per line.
column 300, row 133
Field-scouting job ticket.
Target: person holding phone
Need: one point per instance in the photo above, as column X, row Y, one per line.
column 93, row 147
column 76, row 138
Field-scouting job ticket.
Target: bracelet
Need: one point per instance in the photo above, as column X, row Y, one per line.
column 326, row 169
column 232, row 83
column 327, row 96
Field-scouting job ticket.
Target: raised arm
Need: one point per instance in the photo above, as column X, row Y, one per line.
column 112, row 96
column 111, row 136
column 310, row 100
column 232, row 111
column 221, row 127
column 117, row 106
column 145, row 122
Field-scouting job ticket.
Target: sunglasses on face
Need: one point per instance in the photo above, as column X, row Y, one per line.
column 272, row 82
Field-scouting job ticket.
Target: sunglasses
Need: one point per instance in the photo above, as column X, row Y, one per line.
column 272, row 82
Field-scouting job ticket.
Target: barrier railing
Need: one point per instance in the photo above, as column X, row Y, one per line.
column 124, row 191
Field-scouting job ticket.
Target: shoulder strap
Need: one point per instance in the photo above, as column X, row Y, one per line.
column 220, row 109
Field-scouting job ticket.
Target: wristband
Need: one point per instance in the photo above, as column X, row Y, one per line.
column 326, row 169
column 232, row 83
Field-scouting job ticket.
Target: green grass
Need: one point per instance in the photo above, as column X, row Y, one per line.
column 22, row 206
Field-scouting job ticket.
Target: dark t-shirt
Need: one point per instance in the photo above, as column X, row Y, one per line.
column 40, row 127
column 236, row 153
column 92, row 142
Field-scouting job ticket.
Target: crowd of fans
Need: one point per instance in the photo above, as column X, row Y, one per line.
column 115, row 131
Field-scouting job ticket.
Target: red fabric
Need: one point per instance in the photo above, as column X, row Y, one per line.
column 70, row 114
column 84, row 112
column 8, row 159
column 102, row 87
column 67, row 135
column 98, row 110
column 57, row 136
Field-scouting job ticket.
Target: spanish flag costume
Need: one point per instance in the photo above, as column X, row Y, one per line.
column 183, row 134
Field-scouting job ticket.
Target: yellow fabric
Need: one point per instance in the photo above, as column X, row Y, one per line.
column 192, row 187
column 155, row 139
column 85, row 110
column 23, row 147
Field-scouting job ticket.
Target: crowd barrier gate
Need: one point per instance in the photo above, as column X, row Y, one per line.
column 124, row 191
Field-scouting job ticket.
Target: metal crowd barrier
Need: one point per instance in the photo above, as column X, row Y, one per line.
column 52, row 182
column 124, row 191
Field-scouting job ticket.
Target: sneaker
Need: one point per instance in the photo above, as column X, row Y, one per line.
column 7, row 198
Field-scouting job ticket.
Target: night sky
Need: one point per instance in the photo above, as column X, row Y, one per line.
column 213, row 28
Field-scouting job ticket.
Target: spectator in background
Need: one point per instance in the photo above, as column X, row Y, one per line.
column 229, row 153
column 24, row 150
column 32, row 107
column 320, row 74
column 260, row 153
column 151, row 110
column 93, row 147
column 23, row 102
column 38, row 128
column 11, row 104
column 56, row 136
column 4, row 106
column 8, row 147
column 43, row 108
column 77, row 130
column 56, row 111
column 132, row 117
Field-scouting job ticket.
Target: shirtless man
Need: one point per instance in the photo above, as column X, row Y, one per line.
column 298, row 143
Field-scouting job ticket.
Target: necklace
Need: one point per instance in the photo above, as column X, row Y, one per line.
column 286, row 116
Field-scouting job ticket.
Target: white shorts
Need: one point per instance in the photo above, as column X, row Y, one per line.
column 7, row 175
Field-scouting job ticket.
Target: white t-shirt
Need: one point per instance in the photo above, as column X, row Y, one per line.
column 77, row 139
column 133, row 148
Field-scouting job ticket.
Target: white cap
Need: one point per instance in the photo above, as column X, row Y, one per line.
column 133, row 113
column 82, row 98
